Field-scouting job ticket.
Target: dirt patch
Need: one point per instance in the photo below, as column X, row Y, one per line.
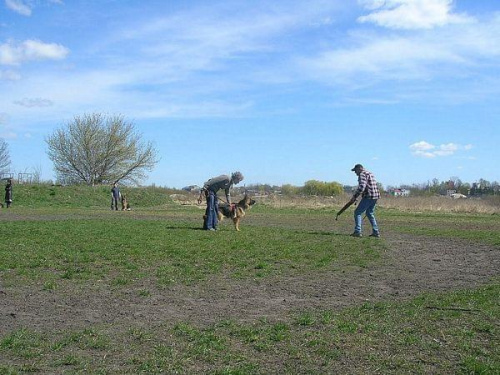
column 411, row 265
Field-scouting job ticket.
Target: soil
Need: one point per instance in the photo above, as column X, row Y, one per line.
column 411, row 265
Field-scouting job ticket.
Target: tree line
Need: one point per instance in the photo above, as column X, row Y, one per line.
column 436, row 187
column 96, row 149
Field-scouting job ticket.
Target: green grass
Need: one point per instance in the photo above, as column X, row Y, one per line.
column 77, row 196
column 122, row 248
column 447, row 333
column 475, row 227
column 48, row 249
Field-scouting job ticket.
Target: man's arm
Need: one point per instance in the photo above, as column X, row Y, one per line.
column 361, row 186
column 202, row 191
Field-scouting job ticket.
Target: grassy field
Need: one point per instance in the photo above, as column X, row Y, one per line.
column 58, row 250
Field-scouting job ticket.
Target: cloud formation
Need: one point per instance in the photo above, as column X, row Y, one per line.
column 18, row 6
column 25, row 8
column 422, row 56
column 9, row 75
column 412, row 14
column 427, row 150
column 30, row 50
column 34, row 102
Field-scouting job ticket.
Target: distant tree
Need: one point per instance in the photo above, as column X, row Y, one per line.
column 4, row 156
column 465, row 188
column 289, row 189
column 95, row 149
column 484, row 184
column 313, row 187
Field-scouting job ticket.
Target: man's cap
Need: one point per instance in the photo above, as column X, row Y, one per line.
column 357, row 166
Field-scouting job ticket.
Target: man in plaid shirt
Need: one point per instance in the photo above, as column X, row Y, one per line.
column 368, row 189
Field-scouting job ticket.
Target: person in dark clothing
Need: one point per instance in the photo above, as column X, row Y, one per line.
column 210, row 189
column 8, row 193
column 115, row 197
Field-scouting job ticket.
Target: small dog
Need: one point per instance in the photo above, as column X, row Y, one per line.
column 125, row 204
column 237, row 213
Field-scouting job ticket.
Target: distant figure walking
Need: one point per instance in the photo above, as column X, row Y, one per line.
column 115, row 197
column 8, row 193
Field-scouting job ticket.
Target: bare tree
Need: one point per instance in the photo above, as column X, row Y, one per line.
column 4, row 156
column 95, row 149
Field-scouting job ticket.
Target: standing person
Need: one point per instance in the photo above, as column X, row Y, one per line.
column 115, row 196
column 8, row 193
column 368, row 189
column 210, row 189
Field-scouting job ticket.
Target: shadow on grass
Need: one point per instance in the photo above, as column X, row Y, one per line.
column 171, row 227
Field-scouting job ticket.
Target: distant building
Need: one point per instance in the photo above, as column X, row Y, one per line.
column 450, row 192
column 399, row 192
column 192, row 188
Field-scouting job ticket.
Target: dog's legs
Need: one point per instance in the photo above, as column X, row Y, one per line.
column 236, row 222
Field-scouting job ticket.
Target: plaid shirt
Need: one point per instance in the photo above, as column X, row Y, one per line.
column 367, row 186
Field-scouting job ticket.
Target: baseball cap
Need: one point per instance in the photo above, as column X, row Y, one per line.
column 358, row 166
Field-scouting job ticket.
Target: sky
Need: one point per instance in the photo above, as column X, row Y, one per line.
column 284, row 91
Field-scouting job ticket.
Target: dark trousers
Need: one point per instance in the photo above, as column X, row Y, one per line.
column 211, row 212
column 114, row 203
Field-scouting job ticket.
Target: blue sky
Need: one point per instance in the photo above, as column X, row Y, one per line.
column 284, row 91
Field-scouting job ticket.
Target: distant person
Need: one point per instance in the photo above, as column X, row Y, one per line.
column 368, row 189
column 210, row 189
column 115, row 197
column 8, row 193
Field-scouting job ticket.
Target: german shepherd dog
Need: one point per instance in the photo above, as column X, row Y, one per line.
column 238, row 213
column 125, row 204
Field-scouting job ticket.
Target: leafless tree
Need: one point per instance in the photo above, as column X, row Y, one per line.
column 95, row 149
column 4, row 156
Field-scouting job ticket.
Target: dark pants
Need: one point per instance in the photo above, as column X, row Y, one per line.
column 114, row 203
column 211, row 212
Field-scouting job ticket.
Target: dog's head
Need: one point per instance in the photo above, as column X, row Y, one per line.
column 246, row 202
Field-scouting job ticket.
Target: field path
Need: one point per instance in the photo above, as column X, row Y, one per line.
column 410, row 266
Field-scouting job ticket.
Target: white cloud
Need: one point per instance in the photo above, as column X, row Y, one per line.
column 18, row 6
column 427, row 150
column 366, row 58
column 8, row 134
column 9, row 75
column 34, row 102
column 25, row 8
column 30, row 50
column 412, row 14
column 382, row 58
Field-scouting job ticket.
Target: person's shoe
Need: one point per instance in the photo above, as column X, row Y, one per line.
column 376, row 235
column 212, row 229
column 356, row 234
